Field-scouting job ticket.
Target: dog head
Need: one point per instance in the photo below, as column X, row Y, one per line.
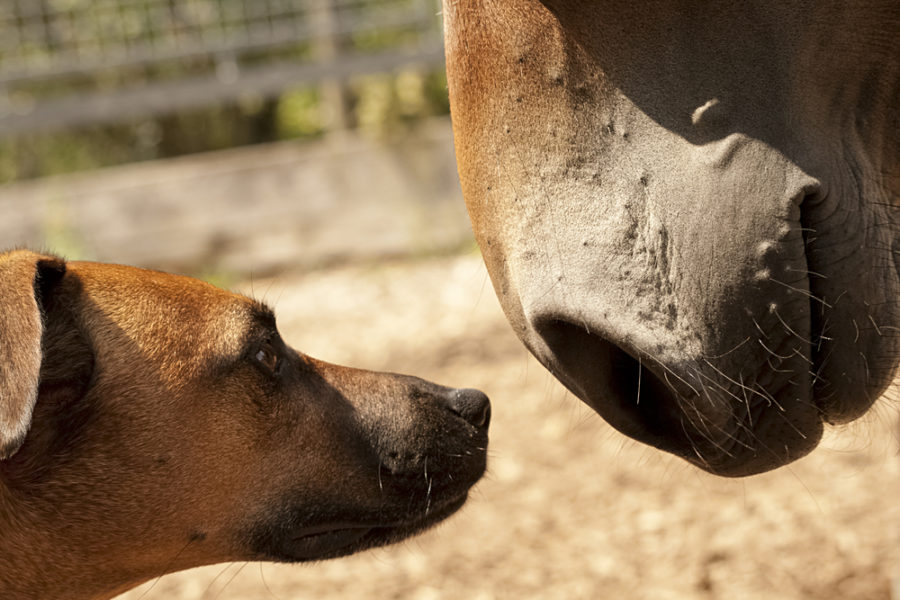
column 152, row 422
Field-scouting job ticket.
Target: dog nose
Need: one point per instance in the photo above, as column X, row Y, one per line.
column 472, row 405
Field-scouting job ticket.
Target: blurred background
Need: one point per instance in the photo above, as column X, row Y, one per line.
column 300, row 151
column 337, row 108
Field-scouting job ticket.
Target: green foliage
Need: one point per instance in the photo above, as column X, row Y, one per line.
column 58, row 234
column 387, row 102
column 221, row 278
column 39, row 155
column 402, row 32
column 298, row 114
column 436, row 96
column 81, row 36
column 382, row 104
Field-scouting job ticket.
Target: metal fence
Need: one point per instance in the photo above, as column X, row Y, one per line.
column 72, row 62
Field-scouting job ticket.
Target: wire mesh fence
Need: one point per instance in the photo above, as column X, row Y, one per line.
column 71, row 62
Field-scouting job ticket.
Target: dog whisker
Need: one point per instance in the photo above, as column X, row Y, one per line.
column 227, row 583
column 428, row 497
column 166, row 569
column 209, row 586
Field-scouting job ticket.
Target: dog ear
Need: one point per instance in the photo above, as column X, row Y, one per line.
column 25, row 279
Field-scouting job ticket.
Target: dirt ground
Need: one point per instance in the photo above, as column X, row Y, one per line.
column 570, row 509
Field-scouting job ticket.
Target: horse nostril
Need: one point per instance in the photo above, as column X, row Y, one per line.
column 622, row 389
column 472, row 405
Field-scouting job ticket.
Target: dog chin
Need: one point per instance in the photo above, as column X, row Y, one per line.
column 333, row 541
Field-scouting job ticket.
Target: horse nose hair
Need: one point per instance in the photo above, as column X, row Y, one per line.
column 472, row 405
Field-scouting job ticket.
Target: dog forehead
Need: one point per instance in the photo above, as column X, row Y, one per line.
column 163, row 313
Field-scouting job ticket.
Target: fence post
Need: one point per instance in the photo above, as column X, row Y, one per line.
column 328, row 44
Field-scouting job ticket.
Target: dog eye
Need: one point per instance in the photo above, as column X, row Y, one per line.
column 267, row 357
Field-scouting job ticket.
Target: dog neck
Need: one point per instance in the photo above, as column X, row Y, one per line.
column 39, row 561
column 32, row 540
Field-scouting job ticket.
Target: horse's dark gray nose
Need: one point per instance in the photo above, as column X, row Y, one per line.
column 470, row 404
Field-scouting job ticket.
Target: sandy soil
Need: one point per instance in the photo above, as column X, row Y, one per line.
column 570, row 509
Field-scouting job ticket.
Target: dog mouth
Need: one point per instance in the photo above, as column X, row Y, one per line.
column 311, row 546
column 341, row 539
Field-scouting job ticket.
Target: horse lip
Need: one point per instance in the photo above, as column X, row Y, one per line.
column 647, row 400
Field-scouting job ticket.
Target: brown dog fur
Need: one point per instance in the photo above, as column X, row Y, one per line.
column 151, row 422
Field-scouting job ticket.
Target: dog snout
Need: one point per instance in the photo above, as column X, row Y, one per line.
column 470, row 404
